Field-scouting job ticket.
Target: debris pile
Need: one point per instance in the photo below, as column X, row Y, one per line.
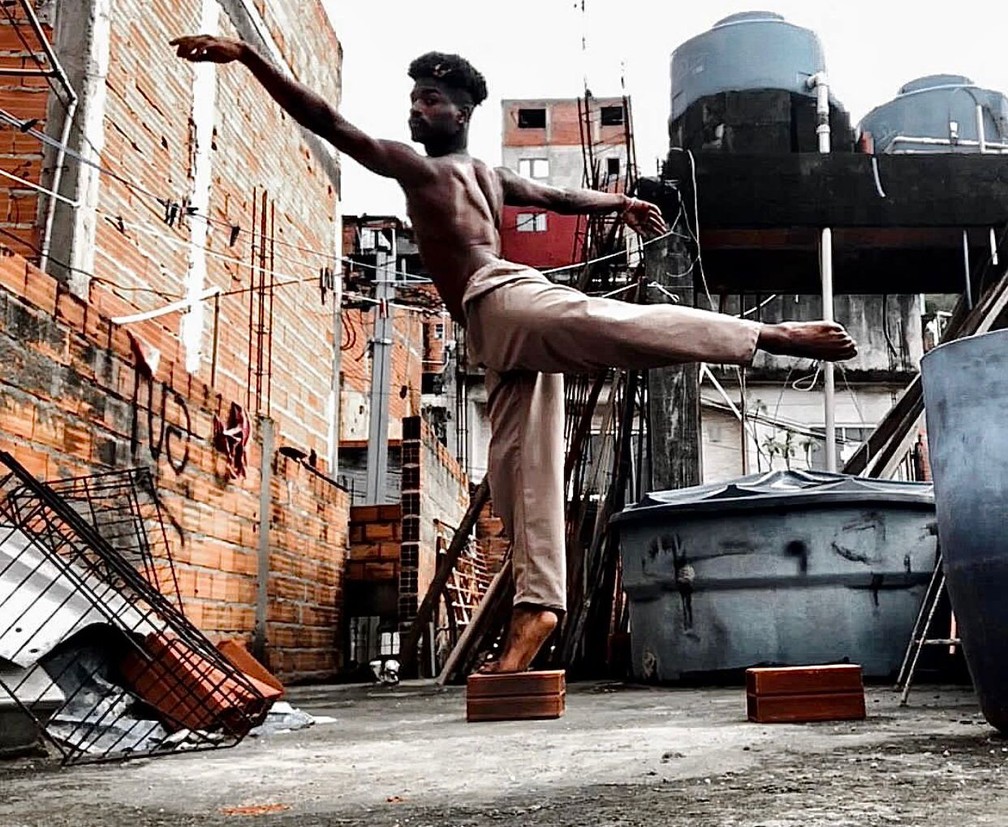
column 95, row 651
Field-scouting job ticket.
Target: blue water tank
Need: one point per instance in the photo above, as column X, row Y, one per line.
column 937, row 113
column 750, row 50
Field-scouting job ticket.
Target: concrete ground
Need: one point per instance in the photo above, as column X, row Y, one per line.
column 622, row 755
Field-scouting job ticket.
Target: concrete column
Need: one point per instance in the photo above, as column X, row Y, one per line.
column 674, row 392
column 204, row 104
column 82, row 35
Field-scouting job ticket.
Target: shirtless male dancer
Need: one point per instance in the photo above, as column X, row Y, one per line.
column 525, row 330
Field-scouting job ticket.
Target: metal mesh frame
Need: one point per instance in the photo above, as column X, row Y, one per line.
column 156, row 660
column 124, row 507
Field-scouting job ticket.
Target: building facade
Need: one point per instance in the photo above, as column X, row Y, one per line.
column 545, row 140
column 180, row 297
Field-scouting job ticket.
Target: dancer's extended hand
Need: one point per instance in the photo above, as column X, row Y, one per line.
column 644, row 217
column 204, row 48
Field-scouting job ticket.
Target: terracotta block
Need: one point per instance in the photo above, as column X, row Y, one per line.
column 518, row 708
column 364, row 514
column 13, row 273
column 379, row 531
column 191, row 692
column 516, row 697
column 793, row 709
column 805, row 693
column 799, row 680
column 239, row 656
column 381, row 571
column 390, row 512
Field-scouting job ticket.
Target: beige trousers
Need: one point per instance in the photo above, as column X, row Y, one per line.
column 527, row 332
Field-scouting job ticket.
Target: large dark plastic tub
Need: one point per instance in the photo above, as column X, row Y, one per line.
column 966, row 399
column 785, row 568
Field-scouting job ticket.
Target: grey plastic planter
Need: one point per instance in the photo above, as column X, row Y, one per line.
column 965, row 395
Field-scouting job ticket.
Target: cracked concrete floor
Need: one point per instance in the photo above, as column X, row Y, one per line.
column 622, row 755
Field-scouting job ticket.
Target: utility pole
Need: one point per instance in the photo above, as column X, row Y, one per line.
column 381, row 370
column 674, row 391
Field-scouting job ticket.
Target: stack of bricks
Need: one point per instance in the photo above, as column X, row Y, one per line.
column 375, row 535
column 409, row 571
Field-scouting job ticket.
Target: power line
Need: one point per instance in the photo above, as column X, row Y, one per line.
column 13, row 121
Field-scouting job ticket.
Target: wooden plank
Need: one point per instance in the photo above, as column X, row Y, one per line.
column 486, row 621
column 544, row 682
column 674, row 391
column 804, row 680
column 518, row 708
column 793, row 709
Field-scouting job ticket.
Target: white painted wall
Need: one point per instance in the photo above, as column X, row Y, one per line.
column 857, row 410
column 204, row 104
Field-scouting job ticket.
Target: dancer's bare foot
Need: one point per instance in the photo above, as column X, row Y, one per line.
column 530, row 627
column 812, row 340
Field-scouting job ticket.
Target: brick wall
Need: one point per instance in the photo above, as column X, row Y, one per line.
column 148, row 124
column 490, row 537
column 444, row 498
column 307, row 551
column 563, row 126
column 73, row 402
column 20, row 154
column 209, row 136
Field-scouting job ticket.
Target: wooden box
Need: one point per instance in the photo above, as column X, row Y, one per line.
column 521, row 696
column 799, row 694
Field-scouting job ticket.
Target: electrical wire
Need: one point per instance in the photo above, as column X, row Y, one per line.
column 811, row 381
column 696, row 233
column 758, row 307
column 11, row 120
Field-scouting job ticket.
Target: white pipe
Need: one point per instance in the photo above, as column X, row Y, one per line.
column 181, row 304
column 71, row 111
column 982, row 139
column 822, row 111
column 32, row 185
column 820, row 83
column 966, row 270
column 980, row 128
column 57, row 180
column 911, row 139
column 829, row 382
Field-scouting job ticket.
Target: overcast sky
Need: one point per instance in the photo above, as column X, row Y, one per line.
column 533, row 48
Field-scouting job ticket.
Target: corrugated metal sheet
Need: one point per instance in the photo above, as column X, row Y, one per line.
column 42, row 602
